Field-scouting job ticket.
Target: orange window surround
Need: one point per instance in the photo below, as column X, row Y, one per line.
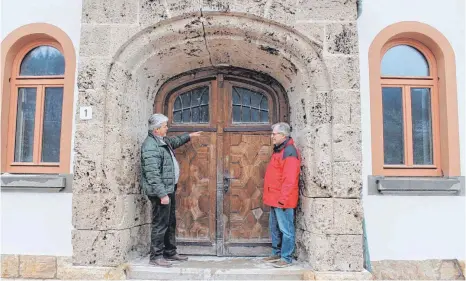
column 412, row 132
column 38, row 99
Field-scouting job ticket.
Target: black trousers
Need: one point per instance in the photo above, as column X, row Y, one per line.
column 163, row 228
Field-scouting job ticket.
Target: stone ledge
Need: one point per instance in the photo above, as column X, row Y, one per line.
column 38, row 267
column 36, row 183
column 416, row 186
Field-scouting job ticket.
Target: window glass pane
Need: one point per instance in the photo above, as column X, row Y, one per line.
column 246, row 98
column 236, row 113
column 177, row 117
column 403, row 60
column 422, row 126
column 236, row 96
column 195, row 98
column 195, row 114
column 264, row 103
column 255, row 115
column 43, row 60
column 204, row 114
column 192, row 106
column 255, row 100
column 25, row 121
column 186, row 116
column 186, row 100
column 246, row 114
column 264, row 116
column 52, row 124
column 178, row 103
column 393, row 134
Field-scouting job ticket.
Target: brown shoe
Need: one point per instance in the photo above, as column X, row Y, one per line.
column 176, row 257
column 160, row 262
column 281, row 264
column 271, row 259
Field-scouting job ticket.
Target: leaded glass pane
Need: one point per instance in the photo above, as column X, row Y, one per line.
column 52, row 124
column 43, row 60
column 192, row 106
column 249, row 106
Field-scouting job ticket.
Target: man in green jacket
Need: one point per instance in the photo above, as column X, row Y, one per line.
column 160, row 174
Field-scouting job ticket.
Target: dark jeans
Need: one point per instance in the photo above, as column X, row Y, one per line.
column 163, row 228
column 281, row 224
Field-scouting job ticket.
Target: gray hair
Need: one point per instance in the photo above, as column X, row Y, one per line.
column 282, row 128
column 156, row 121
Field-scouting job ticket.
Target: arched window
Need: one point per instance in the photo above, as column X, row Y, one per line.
column 414, row 128
column 37, row 91
column 410, row 107
column 37, row 100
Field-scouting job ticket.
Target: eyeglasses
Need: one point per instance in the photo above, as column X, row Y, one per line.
column 274, row 134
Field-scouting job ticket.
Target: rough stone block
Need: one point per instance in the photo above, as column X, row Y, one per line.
column 120, row 35
column 89, row 140
column 347, row 179
column 322, row 253
column 151, row 12
column 178, row 8
column 347, row 214
column 95, row 40
column 109, row 211
column 343, row 72
column 346, row 143
column 348, row 253
column 10, row 266
column 303, row 249
column 283, row 11
column 346, row 107
column 87, row 175
column 37, row 267
column 339, row 10
column 462, row 267
column 94, row 99
column 313, row 31
column 317, row 214
column 140, row 236
column 110, row 11
column 449, row 270
column 92, row 72
column 321, row 109
column 342, row 38
column 101, row 248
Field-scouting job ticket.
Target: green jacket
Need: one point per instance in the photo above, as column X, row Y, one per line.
column 158, row 171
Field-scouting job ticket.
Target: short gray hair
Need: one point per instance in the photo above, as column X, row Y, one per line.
column 282, row 128
column 156, row 121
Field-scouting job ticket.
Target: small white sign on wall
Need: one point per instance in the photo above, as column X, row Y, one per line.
column 85, row 112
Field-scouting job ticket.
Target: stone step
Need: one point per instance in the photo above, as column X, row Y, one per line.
column 216, row 268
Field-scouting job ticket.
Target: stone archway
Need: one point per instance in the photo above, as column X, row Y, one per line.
column 111, row 216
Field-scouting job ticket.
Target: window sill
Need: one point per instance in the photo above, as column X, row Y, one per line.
column 49, row 183
column 416, row 186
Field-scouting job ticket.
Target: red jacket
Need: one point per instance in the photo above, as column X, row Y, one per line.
column 282, row 176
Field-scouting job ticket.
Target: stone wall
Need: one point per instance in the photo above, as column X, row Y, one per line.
column 129, row 48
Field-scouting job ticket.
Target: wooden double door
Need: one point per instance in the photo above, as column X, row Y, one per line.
column 219, row 197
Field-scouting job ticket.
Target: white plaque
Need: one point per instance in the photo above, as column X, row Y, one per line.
column 85, row 112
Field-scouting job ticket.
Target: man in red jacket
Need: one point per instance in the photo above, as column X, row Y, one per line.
column 281, row 194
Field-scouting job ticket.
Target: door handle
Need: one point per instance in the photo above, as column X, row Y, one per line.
column 226, row 182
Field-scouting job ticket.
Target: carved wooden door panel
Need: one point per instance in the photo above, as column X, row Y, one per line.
column 219, row 197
